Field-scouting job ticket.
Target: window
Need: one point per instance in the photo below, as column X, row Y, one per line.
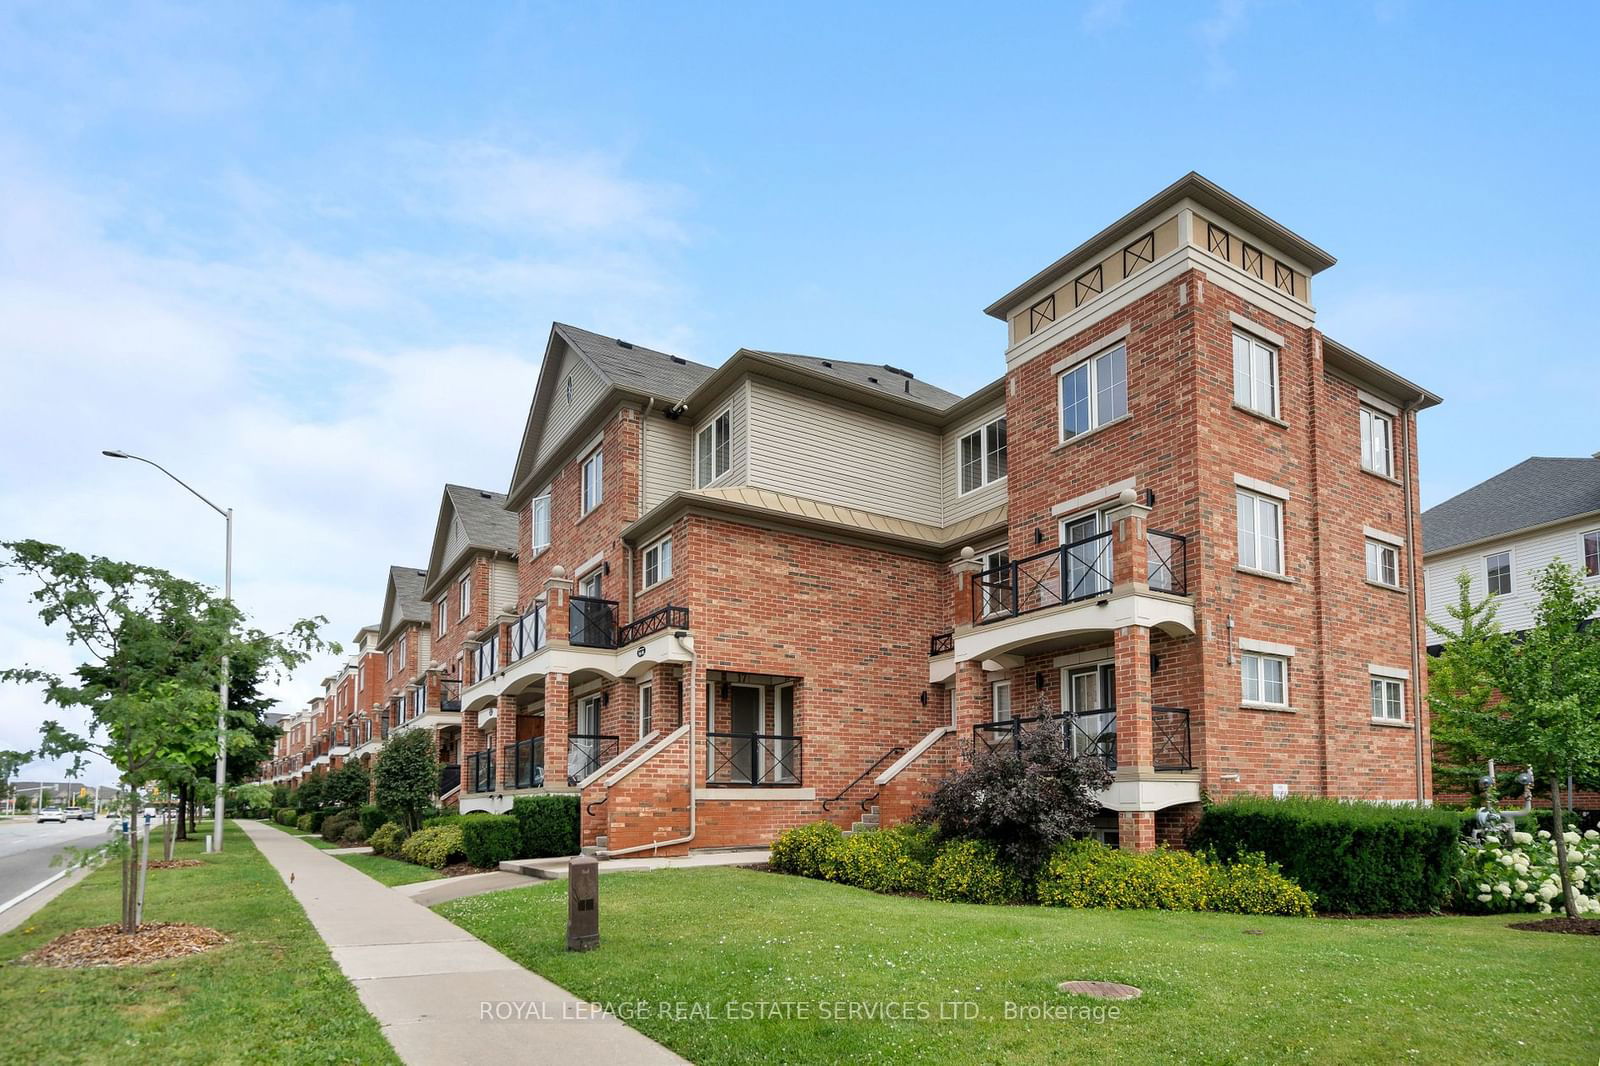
column 1002, row 701
column 1377, row 440
column 983, row 456
column 540, row 514
column 1383, row 564
column 1591, row 553
column 1255, row 375
column 996, row 581
column 1388, row 700
column 569, row 389
column 593, row 480
column 464, row 595
column 402, row 650
column 1260, row 532
column 1498, row 567
column 444, row 615
column 713, row 447
column 647, row 705
column 590, row 584
column 658, row 562
column 388, row 663
column 1266, row 679
column 1094, row 392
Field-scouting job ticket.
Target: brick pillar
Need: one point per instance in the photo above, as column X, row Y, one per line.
column 1135, row 743
column 667, row 712
column 505, row 739
column 972, row 703
column 1130, row 565
column 557, row 620
column 471, row 744
column 557, row 712
column 1136, row 830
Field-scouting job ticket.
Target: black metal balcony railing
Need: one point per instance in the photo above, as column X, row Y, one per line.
column 449, row 694
column 525, row 764
column 593, row 622
column 486, row 658
column 449, row 778
column 528, row 635
column 480, row 772
column 587, row 752
column 753, row 760
column 1095, row 733
column 942, row 643
column 1168, row 561
column 657, row 621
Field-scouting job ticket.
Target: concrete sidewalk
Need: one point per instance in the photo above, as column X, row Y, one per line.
column 553, row 869
column 434, row 987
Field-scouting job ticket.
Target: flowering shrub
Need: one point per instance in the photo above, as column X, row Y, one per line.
column 1501, row 875
column 971, row 871
column 434, row 847
column 807, row 850
column 1085, row 873
column 388, row 838
column 883, row 860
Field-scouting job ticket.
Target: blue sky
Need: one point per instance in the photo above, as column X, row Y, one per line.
column 309, row 254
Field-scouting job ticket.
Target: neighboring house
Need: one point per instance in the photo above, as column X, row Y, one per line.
column 1502, row 532
column 1182, row 526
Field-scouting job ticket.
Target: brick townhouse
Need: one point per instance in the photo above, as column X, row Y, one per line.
column 1181, row 526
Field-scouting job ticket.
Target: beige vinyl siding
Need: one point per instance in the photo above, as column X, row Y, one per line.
column 829, row 451
column 1530, row 553
column 737, row 403
column 502, row 586
column 424, row 649
column 668, row 459
column 957, row 506
column 455, row 542
column 587, row 390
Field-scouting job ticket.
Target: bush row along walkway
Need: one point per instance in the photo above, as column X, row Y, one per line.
column 436, row 989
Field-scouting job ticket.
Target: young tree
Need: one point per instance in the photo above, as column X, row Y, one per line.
column 407, row 775
column 1530, row 700
column 151, row 646
column 1023, row 797
column 348, row 786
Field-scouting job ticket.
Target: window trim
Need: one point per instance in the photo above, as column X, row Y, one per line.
column 1260, row 701
column 646, row 694
column 1257, row 498
column 985, row 457
column 1381, row 547
column 1583, row 552
column 533, row 522
column 1399, row 684
column 1276, row 351
column 644, row 562
column 995, row 688
column 444, row 614
column 597, row 458
column 1371, row 415
column 993, row 605
column 1090, row 364
column 464, row 597
column 710, row 427
column 1488, row 571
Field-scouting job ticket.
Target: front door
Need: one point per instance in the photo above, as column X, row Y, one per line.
column 784, row 753
column 1088, row 562
column 746, row 720
column 583, row 755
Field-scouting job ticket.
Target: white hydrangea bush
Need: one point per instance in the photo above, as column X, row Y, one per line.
column 1505, row 873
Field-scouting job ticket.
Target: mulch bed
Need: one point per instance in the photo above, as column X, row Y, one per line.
column 1590, row 926
column 174, row 864
column 462, row 869
column 107, row 945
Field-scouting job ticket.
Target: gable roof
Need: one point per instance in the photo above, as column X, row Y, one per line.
column 469, row 519
column 1535, row 492
column 402, row 600
column 622, row 366
column 874, row 377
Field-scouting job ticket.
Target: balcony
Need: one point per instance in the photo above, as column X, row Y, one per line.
column 592, row 622
column 587, row 752
column 753, row 760
column 1094, row 733
column 524, row 764
column 480, row 772
column 449, row 694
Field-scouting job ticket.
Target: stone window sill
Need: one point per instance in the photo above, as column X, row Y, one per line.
column 1252, row 412
column 1391, row 723
column 1255, row 705
column 1387, row 588
column 1253, row 572
column 1381, row 476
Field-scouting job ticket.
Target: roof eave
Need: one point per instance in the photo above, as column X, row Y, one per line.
column 1353, row 364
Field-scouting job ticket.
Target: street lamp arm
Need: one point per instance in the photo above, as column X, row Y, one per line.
column 151, row 462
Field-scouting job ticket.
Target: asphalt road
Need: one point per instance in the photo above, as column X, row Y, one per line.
column 27, row 847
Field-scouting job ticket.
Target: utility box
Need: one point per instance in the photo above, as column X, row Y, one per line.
column 583, row 903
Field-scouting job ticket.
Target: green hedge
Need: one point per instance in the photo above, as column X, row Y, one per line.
column 388, row 839
column 491, row 840
column 451, row 819
column 1086, row 873
column 334, row 825
column 807, row 850
column 549, row 825
column 303, row 823
column 372, row 818
column 286, row 816
column 1354, row 858
column 971, row 871
column 884, row 860
column 436, row 847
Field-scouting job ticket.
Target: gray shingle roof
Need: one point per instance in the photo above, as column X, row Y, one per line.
column 408, row 582
column 631, row 365
column 1534, row 492
column 484, row 516
column 874, row 376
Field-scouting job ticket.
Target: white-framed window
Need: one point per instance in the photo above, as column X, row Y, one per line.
column 1260, row 532
column 540, row 521
column 1255, row 374
column 1265, row 679
column 401, row 648
column 593, row 480
column 1591, row 553
column 997, row 594
column 1088, row 562
column 713, row 447
column 1094, row 392
column 464, row 598
column 568, row 387
column 1001, row 697
column 1497, row 573
column 1383, row 563
column 388, row 663
column 982, row 457
column 658, row 562
column 1388, row 699
column 444, row 615
column 647, row 706
column 591, row 584
column 1377, row 442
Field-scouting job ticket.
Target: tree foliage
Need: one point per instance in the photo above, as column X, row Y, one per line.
column 407, row 775
column 1530, row 699
column 1024, row 798
column 348, row 786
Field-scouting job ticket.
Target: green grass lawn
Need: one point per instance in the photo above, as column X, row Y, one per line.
column 1460, row 990
column 310, row 838
column 390, row 871
column 272, row 995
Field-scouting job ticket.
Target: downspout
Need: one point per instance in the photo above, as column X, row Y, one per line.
column 686, row 641
column 1412, row 550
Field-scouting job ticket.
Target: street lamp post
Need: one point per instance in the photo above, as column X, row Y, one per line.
column 227, row 596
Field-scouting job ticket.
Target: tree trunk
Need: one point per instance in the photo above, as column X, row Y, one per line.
column 129, row 867
column 183, row 808
column 1559, row 828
